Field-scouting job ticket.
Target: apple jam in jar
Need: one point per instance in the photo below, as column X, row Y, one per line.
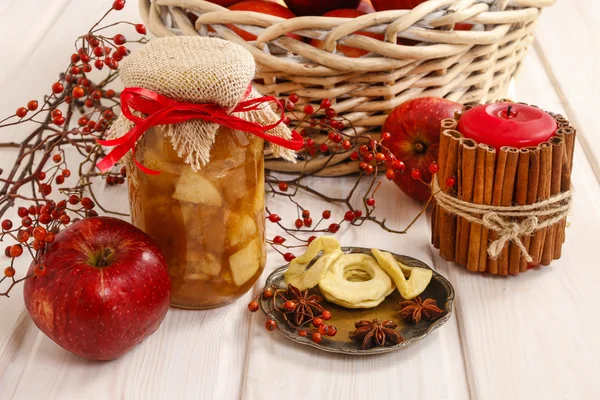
column 209, row 224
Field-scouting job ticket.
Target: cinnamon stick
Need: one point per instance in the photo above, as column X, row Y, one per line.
column 508, row 192
column 533, row 182
column 537, row 242
column 568, row 133
column 448, row 221
column 488, row 191
column 496, row 200
column 478, row 192
column 448, row 123
column 522, row 186
column 558, row 145
column 469, row 160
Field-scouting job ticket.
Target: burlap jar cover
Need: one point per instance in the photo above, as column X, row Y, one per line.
column 189, row 86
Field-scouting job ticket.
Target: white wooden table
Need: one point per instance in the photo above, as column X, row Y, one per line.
column 530, row 337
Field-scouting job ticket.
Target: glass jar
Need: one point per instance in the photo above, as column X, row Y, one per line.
column 209, row 224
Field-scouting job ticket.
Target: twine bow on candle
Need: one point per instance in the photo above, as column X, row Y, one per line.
column 504, row 220
column 161, row 110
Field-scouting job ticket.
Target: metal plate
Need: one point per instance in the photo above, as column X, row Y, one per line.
column 343, row 319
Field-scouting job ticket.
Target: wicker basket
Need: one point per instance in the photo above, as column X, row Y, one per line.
column 466, row 66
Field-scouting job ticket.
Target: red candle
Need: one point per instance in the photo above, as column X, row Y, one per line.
column 507, row 124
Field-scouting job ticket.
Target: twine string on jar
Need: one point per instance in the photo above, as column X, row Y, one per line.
column 503, row 219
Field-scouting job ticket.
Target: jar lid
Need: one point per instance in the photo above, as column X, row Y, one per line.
column 198, row 70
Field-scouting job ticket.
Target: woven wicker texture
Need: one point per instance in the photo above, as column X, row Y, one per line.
column 466, row 66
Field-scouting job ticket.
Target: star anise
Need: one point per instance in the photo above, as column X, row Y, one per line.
column 415, row 310
column 299, row 307
column 376, row 333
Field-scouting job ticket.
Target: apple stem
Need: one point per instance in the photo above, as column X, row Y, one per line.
column 508, row 112
column 104, row 258
column 419, row 147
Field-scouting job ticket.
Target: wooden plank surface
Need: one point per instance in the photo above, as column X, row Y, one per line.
column 529, row 337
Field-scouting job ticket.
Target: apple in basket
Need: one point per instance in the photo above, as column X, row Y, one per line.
column 366, row 6
column 414, row 127
column 383, row 5
column 263, row 7
column 319, row 7
column 105, row 288
column 347, row 50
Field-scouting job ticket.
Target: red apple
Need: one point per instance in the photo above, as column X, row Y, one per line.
column 415, row 136
column 366, row 6
column 264, row 7
column 319, row 7
column 347, row 50
column 106, row 288
column 382, row 5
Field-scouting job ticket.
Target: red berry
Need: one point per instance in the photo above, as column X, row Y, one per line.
column 91, row 213
column 65, row 219
column 390, row 174
column 326, row 214
column 346, row 145
column 294, row 97
column 415, row 174
column 57, row 158
column 58, row 121
column 39, row 270
column 66, row 173
column 253, row 306
column 349, row 216
column 21, row 112
column 49, row 237
column 140, row 28
column 316, row 337
column 434, row 167
column 7, row 251
column 86, row 202
column 323, row 148
column 331, row 330
column 368, row 157
column 274, row 218
column 108, row 114
column 310, row 239
column 26, row 222
column 330, row 113
column 119, row 39
column 268, row 293
column 89, row 103
column 289, row 305
column 325, row 103
column 45, row 219
column 73, row 199
column 121, row 51
column 99, row 64
column 9, row 272
column 22, row 212
column 370, row 202
column 7, row 224
column 110, row 93
column 398, row 165
column 370, row 169
column 118, row 5
column 451, row 181
column 308, row 109
column 289, row 105
column 385, row 136
column 278, row 239
column 326, row 315
column 86, row 68
column 305, row 213
column 333, row 228
column 354, row 156
column 75, row 70
column 317, row 322
column 322, row 329
column 270, row 325
column 303, row 333
column 363, row 149
column 57, row 87
column 298, row 223
column 32, row 105
column 363, row 165
column 16, row 250
column 308, row 221
column 60, row 180
column 380, row 157
column 78, row 92
column 283, row 186
column 39, row 233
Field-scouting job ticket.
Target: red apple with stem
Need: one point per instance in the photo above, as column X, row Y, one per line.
column 319, row 7
column 347, row 50
column 263, row 7
column 415, row 136
column 105, row 288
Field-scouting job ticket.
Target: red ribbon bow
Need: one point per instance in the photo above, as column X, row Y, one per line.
column 161, row 110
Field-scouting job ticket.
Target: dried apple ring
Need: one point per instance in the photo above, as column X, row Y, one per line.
column 418, row 278
column 336, row 288
column 303, row 279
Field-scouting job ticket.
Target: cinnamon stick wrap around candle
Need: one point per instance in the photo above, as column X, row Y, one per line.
column 528, row 187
